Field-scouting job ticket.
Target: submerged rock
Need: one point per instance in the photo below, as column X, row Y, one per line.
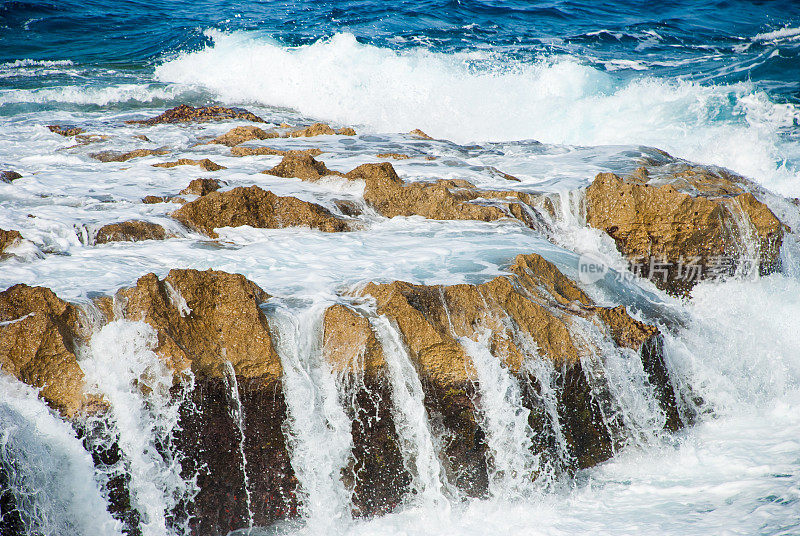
column 9, row 176
column 65, row 130
column 38, row 337
column 679, row 228
column 205, row 164
column 130, row 231
column 239, row 135
column 117, row 156
column 201, row 187
column 257, row 208
column 8, row 238
column 185, row 113
column 393, row 156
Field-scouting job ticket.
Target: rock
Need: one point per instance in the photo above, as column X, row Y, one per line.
column 65, row 131
column 683, row 227
column 302, row 166
column 201, row 187
column 205, row 164
column 393, row 156
column 319, row 129
column 185, row 113
column 204, row 319
column 8, row 238
column 533, row 313
column 153, row 199
column 255, row 151
column 496, row 172
column 117, row 156
column 257, row 208
column 141, row 137
column 38, row 337
column 9, row 176
column 130, row 231
column 419, row 134
column 242, row 134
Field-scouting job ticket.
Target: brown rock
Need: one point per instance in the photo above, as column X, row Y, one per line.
column 201, row 187
column 130, row 231
column 419, row 134
column 141, row 137
column 257, row 151
column 242, row 134
column 257, row 208
column 205, row 164
column 153, row 199
column 692, row 216
column 393, row 156
column 8, row 238
column 320, row 129
column 38, row 336
column 185, row 113
column 9, row 176
column 116, row 156
column 65, row 131
column 302, row 166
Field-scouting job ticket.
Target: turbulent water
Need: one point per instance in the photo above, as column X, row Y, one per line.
column 551, row 92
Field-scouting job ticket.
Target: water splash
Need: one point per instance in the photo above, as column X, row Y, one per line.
column 237, row 415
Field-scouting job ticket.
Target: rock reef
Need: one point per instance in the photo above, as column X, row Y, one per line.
column 185, row 113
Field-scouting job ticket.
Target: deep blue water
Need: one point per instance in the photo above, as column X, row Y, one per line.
column 709, row 42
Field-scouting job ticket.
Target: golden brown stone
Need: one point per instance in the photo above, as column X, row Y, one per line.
column 302, row 166
column 419, row 134
column 393, row 156
column 239, row 135
column 8, row 238
column 201, row 187
column 115, row 156
column 257, row 208
column 185, row 113
column 319, row 129
column 65, row 131
column 205, row 164
column 258, row 151
column 130, row 231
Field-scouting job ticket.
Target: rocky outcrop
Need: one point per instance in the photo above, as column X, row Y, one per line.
column 239, row 135
column 130, row 231
column 9, row 176
column 682, row 227
column 302, row 166
column 320, row 129
column 258, row 151
column 185, row 113
column 117, row 156
column 257, row 208
column 204, row 164
column 393, row 156
column 204, row 319
column 65, row 130
column 201, row 187
column 417, row 133
column 38, row 337
column 8, row 238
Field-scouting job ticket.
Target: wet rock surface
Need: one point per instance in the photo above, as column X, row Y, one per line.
column 66, row 131
column 130, row 231
column 257, row 208
column 9, row 176
column 8, row 238
column 684, row 226
column 239, row 135
column 201, row 187
column 185, row 113
column 203, row 163
column 119, row 156
column 258, row 151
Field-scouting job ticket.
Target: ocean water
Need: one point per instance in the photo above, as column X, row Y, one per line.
column 551, row 92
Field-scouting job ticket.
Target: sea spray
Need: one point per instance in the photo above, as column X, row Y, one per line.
column 318, row 428
column 48, row 474
column 122, row 367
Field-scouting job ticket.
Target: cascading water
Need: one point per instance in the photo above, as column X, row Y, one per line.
column 419, row 446
column 318, row 427
column 47, row 475
column 237, row 414
column 121, row 366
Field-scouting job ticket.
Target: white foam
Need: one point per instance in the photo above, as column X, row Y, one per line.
column 554, row 100
column 775, row 35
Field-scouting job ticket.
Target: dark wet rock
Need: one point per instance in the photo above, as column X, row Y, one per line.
column 9, row 176
column 65, row 131
column 680, row 227
column 185, row 113
column 257, row 208
column 130, row 231
column 205, row 164
column 201, row 187
column 119, row 156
